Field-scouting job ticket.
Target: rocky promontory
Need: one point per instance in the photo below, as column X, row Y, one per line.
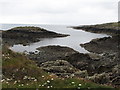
column 107, row 28
column 27, row 35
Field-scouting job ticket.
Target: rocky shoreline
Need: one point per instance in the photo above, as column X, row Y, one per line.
column 107, row 28
column 101, row 65
column 66, row 62
column 27, row 35
column 106, row 48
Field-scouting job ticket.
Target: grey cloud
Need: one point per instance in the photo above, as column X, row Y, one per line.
column 58, row 11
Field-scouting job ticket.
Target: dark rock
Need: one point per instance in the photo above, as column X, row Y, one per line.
column 51, row 53
column 27, row 35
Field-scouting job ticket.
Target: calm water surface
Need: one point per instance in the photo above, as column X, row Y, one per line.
column 76, row 37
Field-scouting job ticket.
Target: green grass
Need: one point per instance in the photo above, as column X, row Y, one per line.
column 20, row 72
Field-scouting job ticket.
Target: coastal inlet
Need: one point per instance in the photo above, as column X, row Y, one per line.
column 76, row 38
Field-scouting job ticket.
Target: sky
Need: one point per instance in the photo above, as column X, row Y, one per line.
column 59, row 12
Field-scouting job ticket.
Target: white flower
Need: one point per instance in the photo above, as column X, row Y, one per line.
column 78, row 87
column 73, row 82
column 52, row 79
column 79, row 84
column 22, row 84
column 48, row 86
column 35, row 80
column 7, row 82
column 48, row 81
column 43, row 76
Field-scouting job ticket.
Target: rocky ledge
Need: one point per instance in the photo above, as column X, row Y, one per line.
column 27, row 35
column 63, row 68
column 64, row 61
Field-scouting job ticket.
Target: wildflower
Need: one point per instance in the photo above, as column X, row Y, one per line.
column 43, row 76
column 27, row 84
column 79, row 84
column 48, row 81
column 22, row 84
column 35, row 80
column 52, row 79
column 42, row 85
column 73, row 82
column 48, row 86
column 7, row 82
column 78, row 87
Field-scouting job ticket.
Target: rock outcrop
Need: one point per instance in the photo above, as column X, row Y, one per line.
column 27, row 35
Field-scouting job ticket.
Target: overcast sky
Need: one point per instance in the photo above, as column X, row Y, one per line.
column 68, row 12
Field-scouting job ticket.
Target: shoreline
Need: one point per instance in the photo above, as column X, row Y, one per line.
column 101, row 69
column 107, row 28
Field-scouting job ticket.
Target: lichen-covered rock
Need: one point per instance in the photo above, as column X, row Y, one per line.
column 116, row 81
column 102, row 78
column 58, row 67
column 82, row 74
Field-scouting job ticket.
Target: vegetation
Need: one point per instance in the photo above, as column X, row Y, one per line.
column 20, row 72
